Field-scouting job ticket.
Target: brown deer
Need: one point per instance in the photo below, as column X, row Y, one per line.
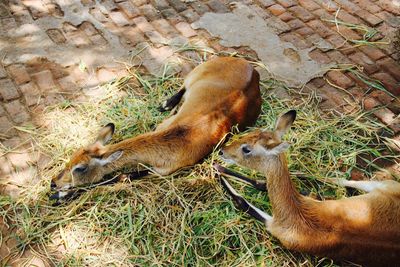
column 218, row 94
column 363, row 229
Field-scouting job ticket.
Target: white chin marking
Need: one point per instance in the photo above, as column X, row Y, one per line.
column 228, row 161
column 65, row 187
column 62, row 194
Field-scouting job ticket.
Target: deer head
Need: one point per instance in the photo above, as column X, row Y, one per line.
column 89, row 164
column 260, row 148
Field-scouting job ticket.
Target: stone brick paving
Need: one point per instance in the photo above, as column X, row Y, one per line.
column 44, row 42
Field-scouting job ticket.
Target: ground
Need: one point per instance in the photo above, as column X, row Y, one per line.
column 57, row 53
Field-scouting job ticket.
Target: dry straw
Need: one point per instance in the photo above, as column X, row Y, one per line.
column 184, row 219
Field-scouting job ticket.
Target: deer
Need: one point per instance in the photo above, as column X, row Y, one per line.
column 363, row 229
column 216, row 95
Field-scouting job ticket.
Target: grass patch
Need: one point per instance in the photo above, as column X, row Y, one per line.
column 184, row 219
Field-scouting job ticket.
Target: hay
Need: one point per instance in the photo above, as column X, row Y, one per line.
column 184, row 219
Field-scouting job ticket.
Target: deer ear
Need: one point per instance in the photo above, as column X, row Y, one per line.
column 104, row 161
column 284, row 122
column 106, row 134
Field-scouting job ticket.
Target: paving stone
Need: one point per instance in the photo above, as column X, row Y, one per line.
column 368, row 6
column 320, row 28
column 296, row 24
column 320, row 57
column 165, row 28
column 4, row 12
column 5, row 165
column 278, row 25
column 172, row 15
column 190, row 15
column 302, row 13
column 368, row 17
column 276, row 10
column 295, row 39
column 19, row 160
column 118, row 18
column 17, row 111
column 372, row 52
column 31, row 93
column 309, row 5
column 346, row 17
column 139, row 3
column 286, row 17
column 384, row 97
column 18, row 73
column 144, row 26
column 346, row 32
column 338, row 57
column 150, row 12
column 339, row 79
column 185, row 29
column 37, row 8
column 79, row 39
column 8, row 91
column 129, row 10
column 178, row 5
column 6, row 126
column 98, row 15
column 200, row 8
column 323, row 14
column 88, row 28
column 318, row 82
column 364, row 61
column 3, row 73
column 329, row 5
column 337, row 40
column 389, row 82
column 390, row 19
column 98, row 40
column 267, row 3
column 134, row 35
column 217, row 6
column 385, row 115
column 370, row 103
column 390, row 66
column 348, row 5
column 67, row 84
column 44, row 80
column 287, row 3
column 56, row 36
column 160, row 4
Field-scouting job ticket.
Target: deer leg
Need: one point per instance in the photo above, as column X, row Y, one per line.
column 258, row 184
column 245, row 206
column 368, row 186
column 173, row 101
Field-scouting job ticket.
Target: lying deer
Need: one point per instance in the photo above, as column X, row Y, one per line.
column 217, row 95
column 364, row 229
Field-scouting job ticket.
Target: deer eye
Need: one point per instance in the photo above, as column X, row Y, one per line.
column 81, row 169
column 246, row 150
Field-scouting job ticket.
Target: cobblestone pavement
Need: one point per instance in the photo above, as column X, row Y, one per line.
column 45, row 42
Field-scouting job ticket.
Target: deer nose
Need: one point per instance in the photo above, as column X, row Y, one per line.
column 53, row 185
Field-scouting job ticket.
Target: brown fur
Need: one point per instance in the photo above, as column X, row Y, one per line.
column 220, row 93
column 364, row 229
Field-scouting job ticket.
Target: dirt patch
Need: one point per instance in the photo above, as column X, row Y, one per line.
column 244, row 28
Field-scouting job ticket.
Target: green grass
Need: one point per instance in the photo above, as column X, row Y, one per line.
column 184, row 219
column 367, row 32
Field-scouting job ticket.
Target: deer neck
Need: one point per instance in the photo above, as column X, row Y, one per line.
column 285, row 200
column 156, row 149
column 134, row 151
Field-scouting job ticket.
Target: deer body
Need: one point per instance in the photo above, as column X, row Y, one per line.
column 217, row 95
column 364, row 229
